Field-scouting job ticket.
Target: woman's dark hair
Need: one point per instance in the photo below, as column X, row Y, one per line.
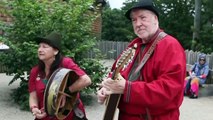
column 56, row 64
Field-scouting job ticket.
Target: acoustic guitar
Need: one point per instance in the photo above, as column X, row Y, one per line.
column 113, row 99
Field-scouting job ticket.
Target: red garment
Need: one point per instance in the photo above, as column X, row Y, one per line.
column 36, row 84
column 159, row 89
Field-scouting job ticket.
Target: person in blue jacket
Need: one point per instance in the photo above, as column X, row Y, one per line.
column 197, row 76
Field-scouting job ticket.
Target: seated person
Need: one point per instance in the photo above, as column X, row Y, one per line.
column 197, row 76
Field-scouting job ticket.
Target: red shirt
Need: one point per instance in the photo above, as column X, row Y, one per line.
column 159, row 89
column 36, row 84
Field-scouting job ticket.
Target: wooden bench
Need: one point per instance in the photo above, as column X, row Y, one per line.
column 209, row 79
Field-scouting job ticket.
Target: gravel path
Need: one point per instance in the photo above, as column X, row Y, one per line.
column 191, row 109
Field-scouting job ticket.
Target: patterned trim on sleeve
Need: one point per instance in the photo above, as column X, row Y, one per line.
column 129, row 85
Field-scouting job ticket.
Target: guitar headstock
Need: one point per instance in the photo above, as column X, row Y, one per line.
column 125, row 58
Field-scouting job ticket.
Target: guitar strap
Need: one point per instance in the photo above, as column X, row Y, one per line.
column 150, row 51
column 144, row 60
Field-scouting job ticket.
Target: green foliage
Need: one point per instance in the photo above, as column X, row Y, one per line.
column 176, row 18
column 95, row 70
column 32, row 18
column 115, row 26
column 86, row 99
column 205, row 42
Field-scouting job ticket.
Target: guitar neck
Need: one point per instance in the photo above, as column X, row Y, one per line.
column 113, row 99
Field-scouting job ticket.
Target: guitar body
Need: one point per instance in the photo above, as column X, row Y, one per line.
column 113, row 99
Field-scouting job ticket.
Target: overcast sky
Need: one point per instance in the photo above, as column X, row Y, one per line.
column 116, row 3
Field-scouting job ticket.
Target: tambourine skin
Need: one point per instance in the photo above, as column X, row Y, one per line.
column 56, row 87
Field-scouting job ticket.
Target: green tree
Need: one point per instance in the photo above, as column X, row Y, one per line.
column 33, row 18
column 205, row 42
column 176, row 19
column 115, row 25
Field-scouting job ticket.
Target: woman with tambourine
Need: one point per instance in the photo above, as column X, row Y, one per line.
column 50, row 59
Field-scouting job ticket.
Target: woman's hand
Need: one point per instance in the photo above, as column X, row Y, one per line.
column 39, row 114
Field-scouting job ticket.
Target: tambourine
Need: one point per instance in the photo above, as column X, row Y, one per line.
column 57, row 86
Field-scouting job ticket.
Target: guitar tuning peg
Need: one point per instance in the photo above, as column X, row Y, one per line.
column 135, row 46
column 124, row 66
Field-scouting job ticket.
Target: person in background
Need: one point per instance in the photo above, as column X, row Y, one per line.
column 197, row 77
column 156, row 90
column 50, row 58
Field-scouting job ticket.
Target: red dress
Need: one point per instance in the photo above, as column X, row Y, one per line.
column 158, row 90
column 36, row 84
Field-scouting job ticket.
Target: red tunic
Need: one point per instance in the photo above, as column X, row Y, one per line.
column 159, row 89
column 36, row 84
